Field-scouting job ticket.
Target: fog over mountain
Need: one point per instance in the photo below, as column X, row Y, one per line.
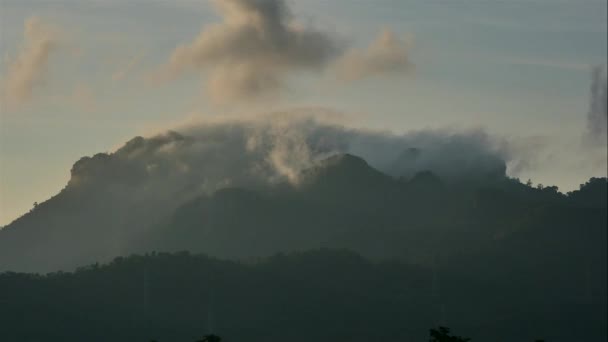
column 320, row 180
column 277, row 147
column 277, row 210
column 420, row 228
column 111, row 198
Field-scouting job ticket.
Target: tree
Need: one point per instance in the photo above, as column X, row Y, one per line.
column 210, row 338
column 553, row 189
column 442, row 334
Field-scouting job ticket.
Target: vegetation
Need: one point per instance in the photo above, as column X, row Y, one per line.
column 441, row 334
column 323, row 295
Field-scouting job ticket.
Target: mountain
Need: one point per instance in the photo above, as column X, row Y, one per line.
column 339, row 250
column 90, row 219
column 338, row 195
column 113, row 206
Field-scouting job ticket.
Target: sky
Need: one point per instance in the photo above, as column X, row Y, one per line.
column 80, row 77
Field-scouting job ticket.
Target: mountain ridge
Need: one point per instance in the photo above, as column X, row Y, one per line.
column 337, row 199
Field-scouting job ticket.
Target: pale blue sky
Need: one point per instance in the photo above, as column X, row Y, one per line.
column 519, row 69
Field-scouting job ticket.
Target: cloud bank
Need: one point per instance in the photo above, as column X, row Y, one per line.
column 272, row 149
column 27, row 70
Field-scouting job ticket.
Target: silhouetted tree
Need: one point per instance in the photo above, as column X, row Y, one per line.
column 210, row 338
column 442, row 334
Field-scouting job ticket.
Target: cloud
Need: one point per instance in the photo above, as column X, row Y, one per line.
column 387, row 54
column 252, row 51
column 596, row 119
column 27, row 70
column 257, row 152
column 143, row 182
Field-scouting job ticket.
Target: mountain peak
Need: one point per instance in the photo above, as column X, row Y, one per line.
column 348, row 180
column 344, row 168
column 345, row 160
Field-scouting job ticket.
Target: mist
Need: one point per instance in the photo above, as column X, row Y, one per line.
column 277, row 147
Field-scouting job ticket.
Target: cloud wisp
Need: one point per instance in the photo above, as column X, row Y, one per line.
column 121, row 73
column 27, row 71
column 387, row 54
column 598, row 113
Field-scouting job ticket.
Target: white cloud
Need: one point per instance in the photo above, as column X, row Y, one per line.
column 387, row 54
column 251, row 52
column 27, row 71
